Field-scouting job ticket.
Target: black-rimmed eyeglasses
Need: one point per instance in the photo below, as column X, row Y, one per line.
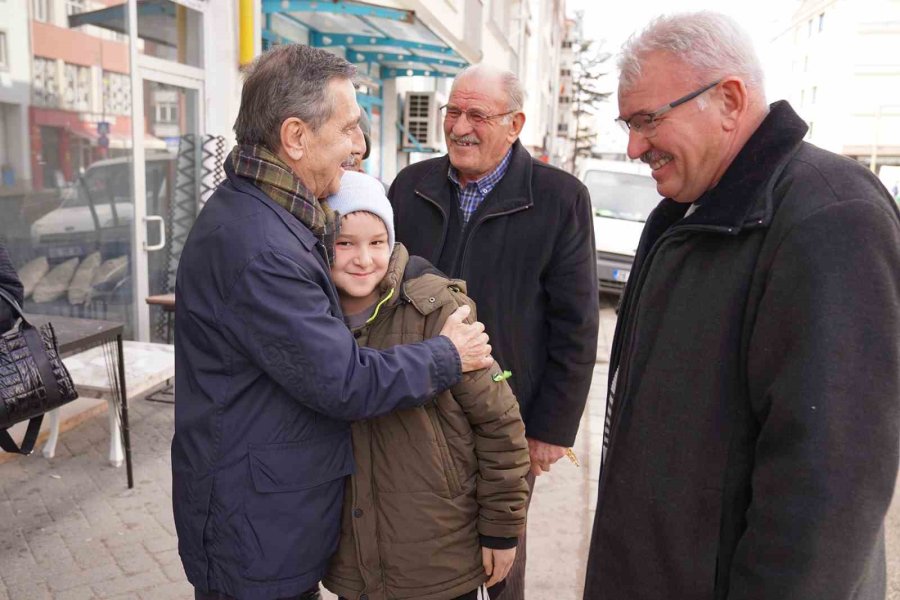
column 645, row 123
column 475, row 117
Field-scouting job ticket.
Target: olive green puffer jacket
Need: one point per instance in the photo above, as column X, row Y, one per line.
column 429, row 481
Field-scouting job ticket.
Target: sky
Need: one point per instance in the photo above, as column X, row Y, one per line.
column 614, row 22
column 763, row 19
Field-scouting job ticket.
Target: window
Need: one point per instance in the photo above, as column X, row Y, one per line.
column 77, row 87
column 41, row 10
column 802, row 97
column 167, row 112
column 4, row 61
column 809, row 28
column 44, row 85
column 821, row 22
column 74, row 7
column 562, row 129
column 116, row 93
column 810, row 132
column 814, row 91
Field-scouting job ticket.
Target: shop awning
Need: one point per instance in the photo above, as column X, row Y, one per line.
column 118, row 140
column 395, row 40
column 156, row 20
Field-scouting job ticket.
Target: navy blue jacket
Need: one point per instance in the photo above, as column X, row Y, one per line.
column 268, row 378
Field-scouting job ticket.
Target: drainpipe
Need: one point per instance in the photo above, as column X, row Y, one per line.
column 246, row 36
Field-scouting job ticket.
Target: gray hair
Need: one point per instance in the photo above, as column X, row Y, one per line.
column 710, row 44
column 512, row 86
column 287, row 81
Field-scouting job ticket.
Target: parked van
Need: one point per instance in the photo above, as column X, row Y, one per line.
column 622, row 195
column 98, row 212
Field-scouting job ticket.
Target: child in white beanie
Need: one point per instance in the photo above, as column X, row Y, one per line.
column 437, row 500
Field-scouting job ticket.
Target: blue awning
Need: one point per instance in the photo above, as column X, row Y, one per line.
column 395, row 40
column 156, row 22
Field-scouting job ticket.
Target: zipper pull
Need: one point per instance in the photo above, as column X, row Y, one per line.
column 498, row 377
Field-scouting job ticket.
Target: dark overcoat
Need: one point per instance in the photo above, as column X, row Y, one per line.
column 755, row 386
column 529, row 260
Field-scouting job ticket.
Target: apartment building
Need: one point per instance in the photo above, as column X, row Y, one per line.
column 844, row 61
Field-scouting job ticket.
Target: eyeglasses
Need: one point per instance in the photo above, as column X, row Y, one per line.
column 475, row 117
column 646, row 123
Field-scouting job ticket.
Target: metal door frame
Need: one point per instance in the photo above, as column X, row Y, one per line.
column 149, row 68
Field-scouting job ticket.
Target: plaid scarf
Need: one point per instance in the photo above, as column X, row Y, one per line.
column 279, row 183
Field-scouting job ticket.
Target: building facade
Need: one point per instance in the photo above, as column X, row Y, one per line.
column 844, row 60
column 116, row 115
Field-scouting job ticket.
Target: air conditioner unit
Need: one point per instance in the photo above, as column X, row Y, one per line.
column 422, row 121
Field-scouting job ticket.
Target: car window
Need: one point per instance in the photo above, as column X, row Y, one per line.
column 103, row 184
column 622, row 195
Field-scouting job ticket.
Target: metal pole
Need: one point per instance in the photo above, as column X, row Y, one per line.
column 126, row 434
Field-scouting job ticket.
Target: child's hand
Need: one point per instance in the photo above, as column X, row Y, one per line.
column 497, row 564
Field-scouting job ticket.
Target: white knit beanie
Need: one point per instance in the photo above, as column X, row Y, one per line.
column 363, row 192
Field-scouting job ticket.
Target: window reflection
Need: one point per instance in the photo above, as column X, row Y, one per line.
column 65, row 156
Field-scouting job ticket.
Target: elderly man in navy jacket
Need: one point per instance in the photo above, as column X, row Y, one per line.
column 268, row 375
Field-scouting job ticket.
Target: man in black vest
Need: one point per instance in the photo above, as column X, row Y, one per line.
column 520, row 232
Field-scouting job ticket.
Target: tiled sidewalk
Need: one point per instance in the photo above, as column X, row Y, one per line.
column 70, row 529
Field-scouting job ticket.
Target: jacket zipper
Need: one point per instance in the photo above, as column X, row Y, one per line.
column 476, row 225
column 464, row 241
column 629, row 331
column 446, row 225
column 443, row 447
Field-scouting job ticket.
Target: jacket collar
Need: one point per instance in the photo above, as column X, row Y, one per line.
column 743, row 197
column 242, row 184
column 512, row 192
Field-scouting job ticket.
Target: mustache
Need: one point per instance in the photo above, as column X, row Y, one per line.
column 653, row 155
column 465, row 139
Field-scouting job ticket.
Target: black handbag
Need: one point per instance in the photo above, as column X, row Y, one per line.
column 33, row 379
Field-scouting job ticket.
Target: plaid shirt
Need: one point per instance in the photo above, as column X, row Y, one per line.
column 272, row 176
column 473, row 194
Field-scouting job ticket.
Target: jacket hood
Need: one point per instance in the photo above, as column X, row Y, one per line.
column 418, row 282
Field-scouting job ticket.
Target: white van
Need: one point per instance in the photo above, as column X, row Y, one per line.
column 98, row 213
column 622, row 195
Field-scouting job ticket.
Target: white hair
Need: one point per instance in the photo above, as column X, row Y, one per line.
column 710, row 44
column 512, row 85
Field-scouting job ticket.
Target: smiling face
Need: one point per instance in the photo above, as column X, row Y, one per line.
column 476, row 149
column 361, row 260
column 316, row 156
column 690, row 148
column 354, row 161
